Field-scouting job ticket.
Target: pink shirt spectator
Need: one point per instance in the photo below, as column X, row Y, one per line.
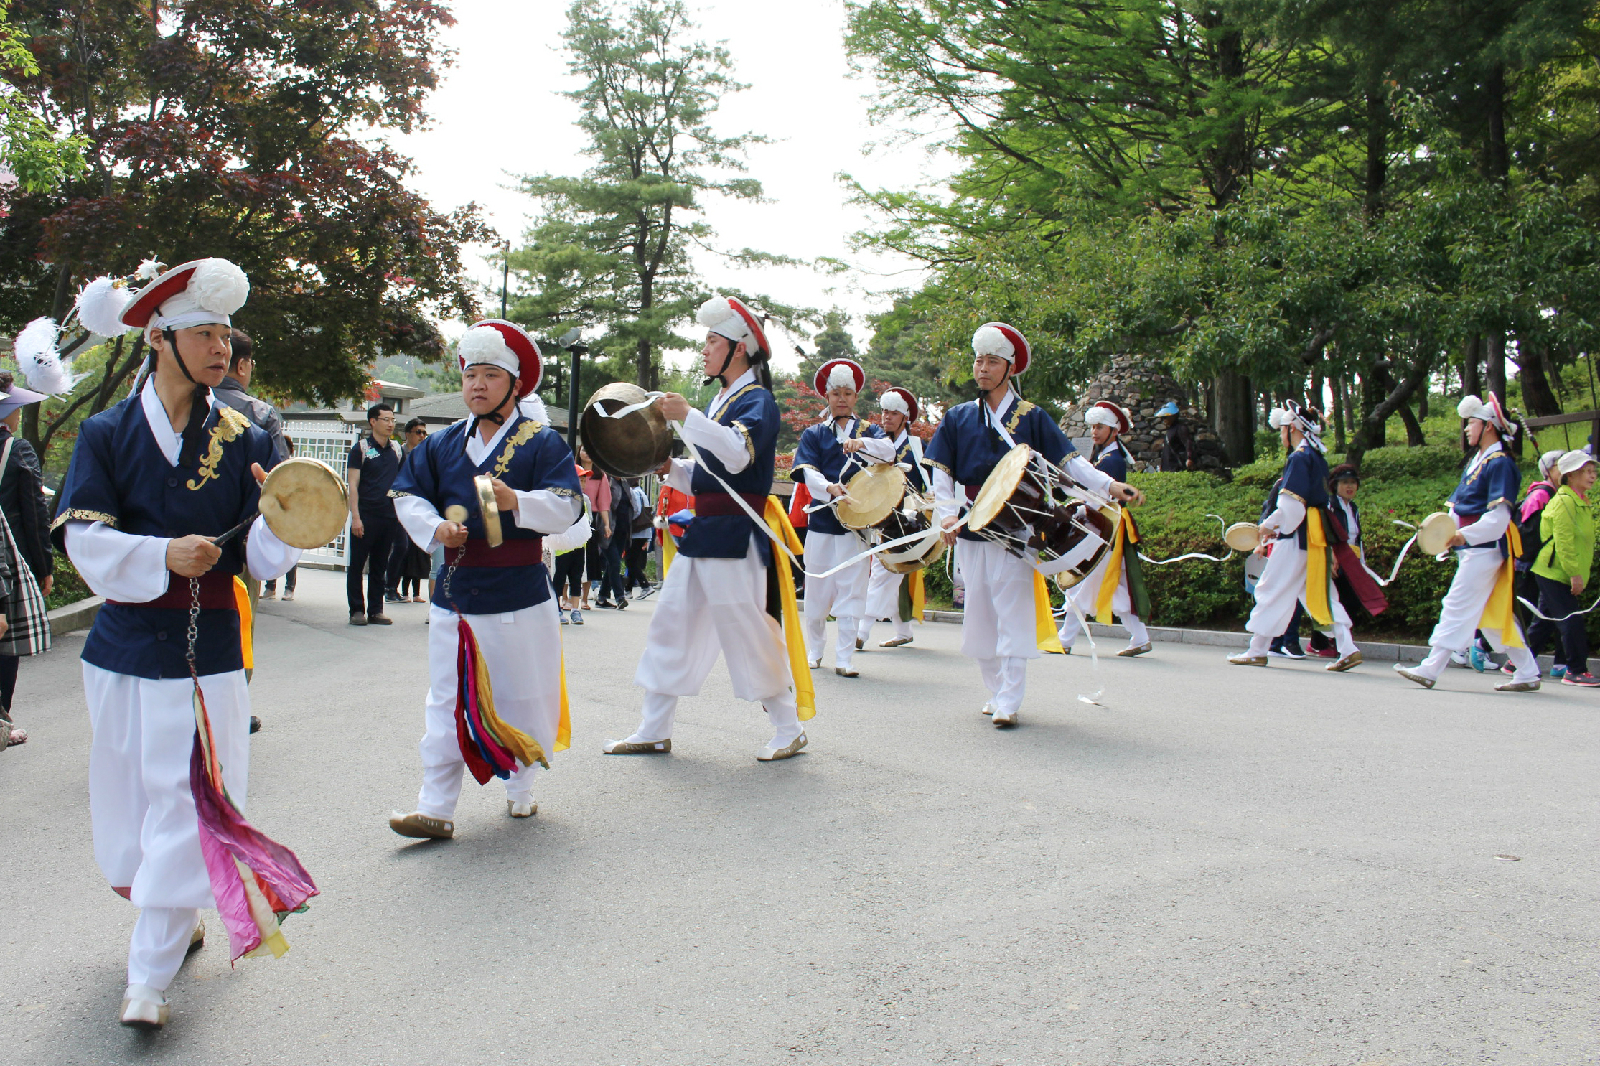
column 1539, row 494
column 597, row 487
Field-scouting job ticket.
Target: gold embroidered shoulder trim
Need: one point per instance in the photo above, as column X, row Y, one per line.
column 230, row 427
column 729, row 401
column 1022, row 408
column 525, row 432
column 570, row 494
column 1292, row 496
column 82, row 516
column 749, row 445
column 396, row 494
column 937, row 463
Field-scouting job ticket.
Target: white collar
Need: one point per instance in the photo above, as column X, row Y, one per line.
column 1005, row 405
column 739, row 382
column 155, row 413
column 1482, row 456
column 901, row 439
column 478, row 449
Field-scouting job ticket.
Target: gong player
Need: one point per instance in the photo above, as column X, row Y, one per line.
column 715, row 597
column 827, row 455
column 503, row 592
column 152, row 482
column 1126, row 597
column 883, row 585
column 998, row 627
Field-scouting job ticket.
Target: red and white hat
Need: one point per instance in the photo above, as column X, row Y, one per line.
column 198, row 293
column 898, row 399
column 496, row 342
column 997, row 338
column 839, row 373
column 1488, row 411
column 1106, row 413
column 727, row 316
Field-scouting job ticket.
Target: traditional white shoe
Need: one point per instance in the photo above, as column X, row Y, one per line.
column 144, row 1008
column 897, row 642
column 637, row 747
column 1518, row 686
column 1244, row 658
column 772, row 754
column 816, row 663
column 859, row 643
column 1134, row 649
column 1411, row 675
column 1348, row 662
column 521, row 810
column 988, row 708
column 845, row 671
column 197, row 939
column 422, row 826
column 1005, row 721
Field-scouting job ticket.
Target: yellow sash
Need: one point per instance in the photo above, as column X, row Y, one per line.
column 1497, row 613
column 799, row 669
column 1317, row 604
column 1044, row 622
column 669, row 551
column 564, row 729
column 247, row 622
column 919, row 596
column 1113, row 575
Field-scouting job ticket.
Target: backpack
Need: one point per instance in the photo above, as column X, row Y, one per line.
column 1528, row 528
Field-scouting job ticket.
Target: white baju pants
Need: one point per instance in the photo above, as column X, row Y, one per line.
column 146, row 831
column 997, row 624
column 705, row 607
column 523, row 651
column 1087, row 593
column 1461, row 610
column 1282, row 584
column 843, row 595
column 883, row 600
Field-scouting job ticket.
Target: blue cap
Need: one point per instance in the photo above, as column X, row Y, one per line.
column 1169, row 408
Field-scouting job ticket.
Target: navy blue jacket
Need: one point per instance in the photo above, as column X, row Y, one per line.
column 820, row 450
column 1485, row 486
column 1112, row 460
column 754, row 413
column 968, row 450
column 1305, row 477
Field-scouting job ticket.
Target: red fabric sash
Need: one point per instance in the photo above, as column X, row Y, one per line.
column 717, row 504
column 1366, row 589
column 520, row 552
column 216, row 594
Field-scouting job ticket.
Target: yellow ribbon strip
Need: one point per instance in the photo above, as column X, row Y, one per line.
column 1497, row 613
column 669, row 552
column 564, row 728
column 919, row 595
column 777, row 520
column 1044, row 621
column 1317, row 604
column 247, row 622
column 1113, row 574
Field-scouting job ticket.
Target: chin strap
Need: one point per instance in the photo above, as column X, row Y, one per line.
column 496, row 416
column 722, row 371
column 983, row 398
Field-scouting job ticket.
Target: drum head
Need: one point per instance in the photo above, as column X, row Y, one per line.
column 914, row 557
column 1435, row 533
column 998, row 487
column 304, row 503
column 631, row 446
column 1242, row 536
column 491, row 513
column 874, row 492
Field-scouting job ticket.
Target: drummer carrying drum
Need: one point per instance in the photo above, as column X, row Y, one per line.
column 1295, row 537
column 998, row 626
column 1486, row 546
column 153, row 481
column 884, row 600
column 827, row 454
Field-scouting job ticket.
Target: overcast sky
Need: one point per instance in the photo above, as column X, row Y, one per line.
column 497, row 114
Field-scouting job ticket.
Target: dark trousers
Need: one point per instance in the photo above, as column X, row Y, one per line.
column 1572, row 645
column 8, row 681
column 611, row 574
column 594, row 556
column 569, row 574
column 397, row 561
column 370, row 551
column 288, row 581
column 1290, row 637
column 638, row 553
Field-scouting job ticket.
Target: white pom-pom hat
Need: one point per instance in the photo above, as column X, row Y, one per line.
column 839, row 374
column 496, row 342
column 101, row 305
column 198, row 293
column 997, row 338
column 1488, row 411
column 898, row 399
column 1106, row 413
column 727, row 316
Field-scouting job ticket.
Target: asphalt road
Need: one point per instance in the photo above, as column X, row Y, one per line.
column 1221, row 865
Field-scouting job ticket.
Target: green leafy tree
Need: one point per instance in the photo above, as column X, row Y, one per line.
column 37, row 156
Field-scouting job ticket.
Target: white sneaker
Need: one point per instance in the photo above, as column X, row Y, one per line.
column 988, row 708
column 519, row 809
column 144, row 1008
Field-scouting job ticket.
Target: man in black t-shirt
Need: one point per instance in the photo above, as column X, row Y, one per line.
column 374, row 462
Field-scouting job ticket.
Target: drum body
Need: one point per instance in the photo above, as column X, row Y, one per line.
column 1029, row 505
column 305, row 503
column 1433, row 535
column 1242, row 536
column 913, row 517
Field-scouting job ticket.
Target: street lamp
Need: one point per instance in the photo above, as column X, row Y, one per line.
column 571, row 341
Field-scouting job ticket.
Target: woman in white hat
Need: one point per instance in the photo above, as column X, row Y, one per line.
column 1562, row 566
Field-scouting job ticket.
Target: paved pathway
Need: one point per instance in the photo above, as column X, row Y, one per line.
column 1205, row 871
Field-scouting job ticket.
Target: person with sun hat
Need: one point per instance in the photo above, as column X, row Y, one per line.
column 885, row 600
column 828, row 453
column 501, row 594
column 1002, row 624
column 152, row 482
column 1115, row 587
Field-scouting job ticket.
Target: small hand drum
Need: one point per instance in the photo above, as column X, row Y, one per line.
column 873, row 494
column 305, row 503
column 1242, row 536
column 1433, row 535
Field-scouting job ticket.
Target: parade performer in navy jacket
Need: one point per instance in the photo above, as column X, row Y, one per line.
column 716, row 596
column 1295, row 538
column 828, row 454
column 999, row 627
column 1127, row 598
column 152, row 481
column 884, row 599
column 1486, row 546
column 503, row 592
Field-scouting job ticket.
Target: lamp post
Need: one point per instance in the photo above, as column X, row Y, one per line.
column 572, row 342
column 505, row 279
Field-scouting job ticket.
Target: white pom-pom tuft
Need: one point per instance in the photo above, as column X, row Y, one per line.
column 714, row 312
column 219, row 286
column 1471, row 407
column 841, row 377
column 990, row 341
column 149, row 270
column 35, row 350
column 485, row 344
column 100, row 307
column 893, row 401
column 1101, row 416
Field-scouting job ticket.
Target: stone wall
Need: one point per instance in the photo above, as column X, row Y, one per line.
column 1143, row 387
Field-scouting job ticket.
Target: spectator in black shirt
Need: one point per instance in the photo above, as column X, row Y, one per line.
column 374, row 462
column 612, row 593
column 1178, row 452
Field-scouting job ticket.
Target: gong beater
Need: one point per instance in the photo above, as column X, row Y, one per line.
column 483, row 485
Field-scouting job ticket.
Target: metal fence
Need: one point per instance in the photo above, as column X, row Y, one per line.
column 330, row 442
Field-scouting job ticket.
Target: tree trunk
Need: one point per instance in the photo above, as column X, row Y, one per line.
column 1536, row 392
column 1235, row 423
column 1471, row 379
column 1377, row 170
column 1338, row 414
column 1372, row 392
column 1414, row 437
column 1494, row 363
column 1372, row 424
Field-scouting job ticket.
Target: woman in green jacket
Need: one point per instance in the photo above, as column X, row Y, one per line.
column 1562, row 568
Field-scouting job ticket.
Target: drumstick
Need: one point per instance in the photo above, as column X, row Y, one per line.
column 236, row 530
